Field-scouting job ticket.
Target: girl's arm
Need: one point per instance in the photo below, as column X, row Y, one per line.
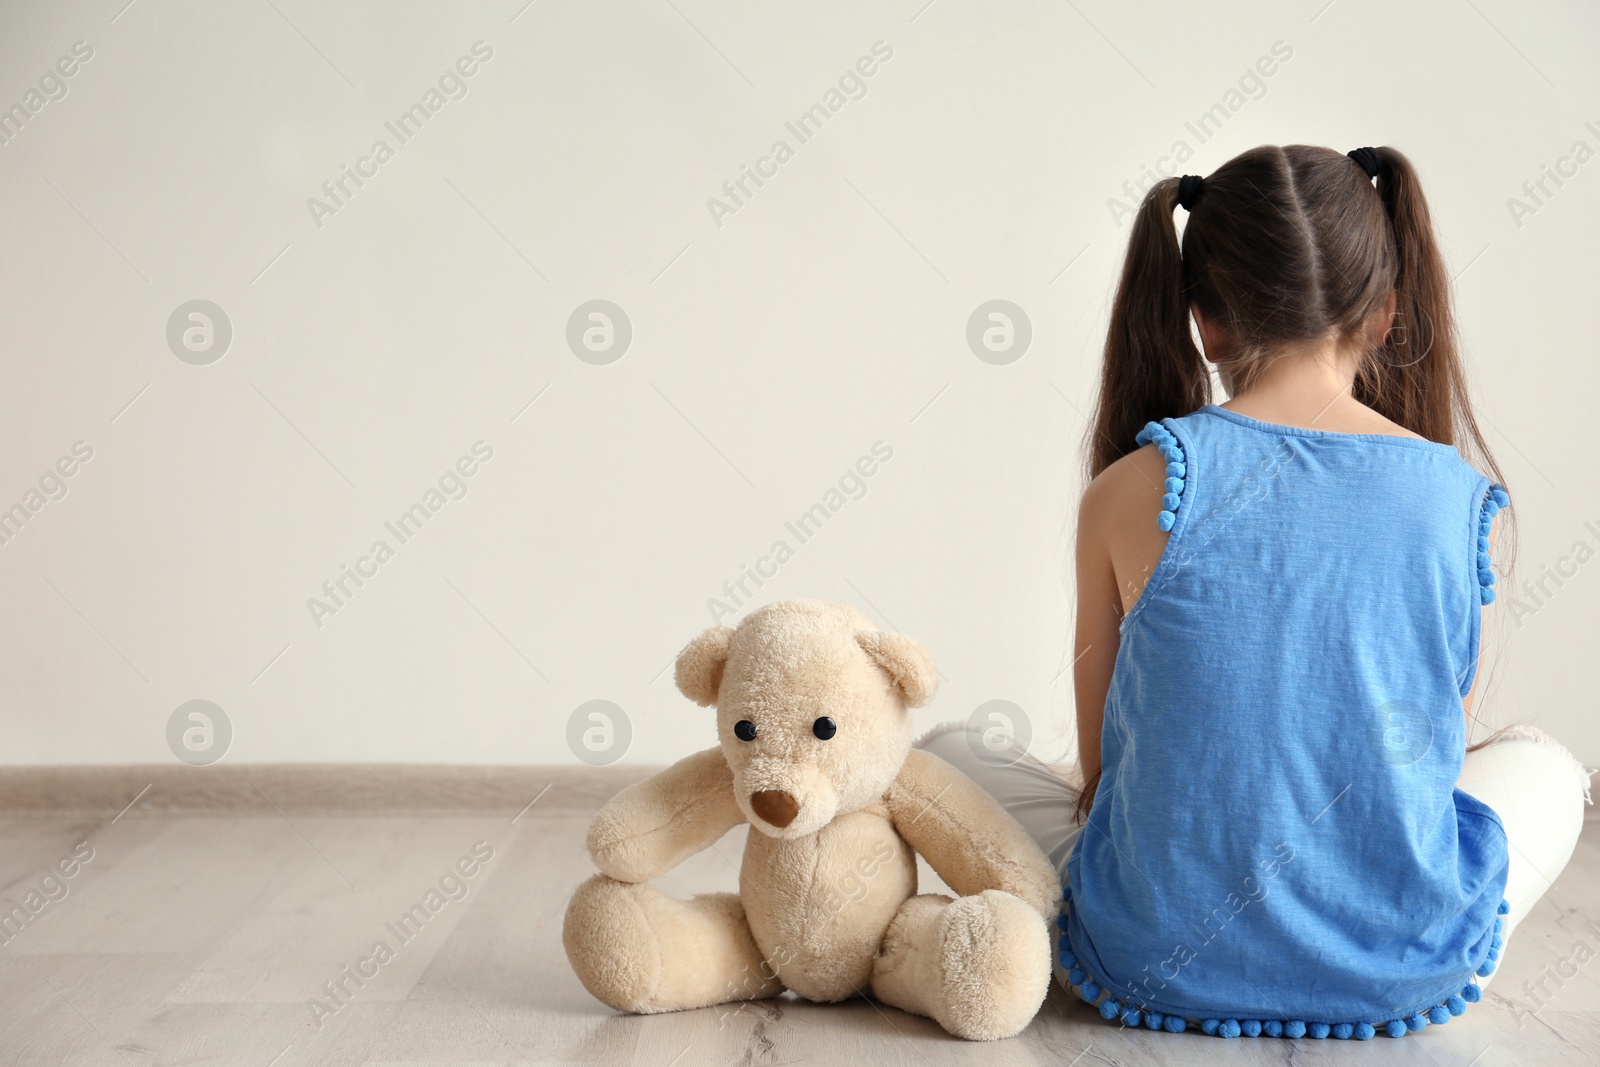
column 1119, row 545
column 1094, row 646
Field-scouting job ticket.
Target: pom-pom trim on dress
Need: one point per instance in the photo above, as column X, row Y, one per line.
column 1092, row 992
column 1177, row 469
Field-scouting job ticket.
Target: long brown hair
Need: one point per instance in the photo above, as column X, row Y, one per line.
column 1284, row 246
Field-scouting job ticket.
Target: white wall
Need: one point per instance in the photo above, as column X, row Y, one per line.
column 768, row 353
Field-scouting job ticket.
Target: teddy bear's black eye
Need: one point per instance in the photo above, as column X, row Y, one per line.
column 744, row 730
column 824, row 728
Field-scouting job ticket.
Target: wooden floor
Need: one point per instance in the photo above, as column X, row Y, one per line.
column 192, row 939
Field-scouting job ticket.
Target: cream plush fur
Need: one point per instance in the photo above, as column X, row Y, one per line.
column 827, row 903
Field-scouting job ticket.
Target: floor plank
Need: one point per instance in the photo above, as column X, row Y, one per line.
column 194, row 939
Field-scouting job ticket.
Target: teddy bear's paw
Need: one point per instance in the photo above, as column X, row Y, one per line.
column 637, row 949
column 611, row 945
column 993, row 965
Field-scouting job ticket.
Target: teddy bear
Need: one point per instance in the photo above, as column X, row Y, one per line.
column 815, row 754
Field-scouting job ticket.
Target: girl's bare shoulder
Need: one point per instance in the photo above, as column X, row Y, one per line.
column 1117, row 523
column 1126, row 493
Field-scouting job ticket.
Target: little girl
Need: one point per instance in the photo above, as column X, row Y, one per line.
column 1279, row 611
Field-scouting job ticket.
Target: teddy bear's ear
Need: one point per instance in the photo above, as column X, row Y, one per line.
column 699, row 670
column 906, row 662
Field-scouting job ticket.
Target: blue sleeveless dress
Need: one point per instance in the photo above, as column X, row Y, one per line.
column 1277, row 845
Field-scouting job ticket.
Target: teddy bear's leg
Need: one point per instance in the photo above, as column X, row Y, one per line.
column 979, row 966
column 637, row 949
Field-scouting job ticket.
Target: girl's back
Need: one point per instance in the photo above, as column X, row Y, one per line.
column 1285, row 722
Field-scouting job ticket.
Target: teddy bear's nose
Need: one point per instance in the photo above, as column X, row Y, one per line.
column 775, row 806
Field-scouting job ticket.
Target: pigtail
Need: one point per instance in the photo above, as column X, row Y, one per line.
column 1151, row 368
column 1416, row 377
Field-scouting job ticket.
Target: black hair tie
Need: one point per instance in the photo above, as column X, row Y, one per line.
column 1368, row 160
column 1190, row 186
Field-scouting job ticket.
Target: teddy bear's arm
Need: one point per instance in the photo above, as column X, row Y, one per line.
column 970, row 840
column 654, row 825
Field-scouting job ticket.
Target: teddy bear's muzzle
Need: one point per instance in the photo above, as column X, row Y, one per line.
column 775, row 807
